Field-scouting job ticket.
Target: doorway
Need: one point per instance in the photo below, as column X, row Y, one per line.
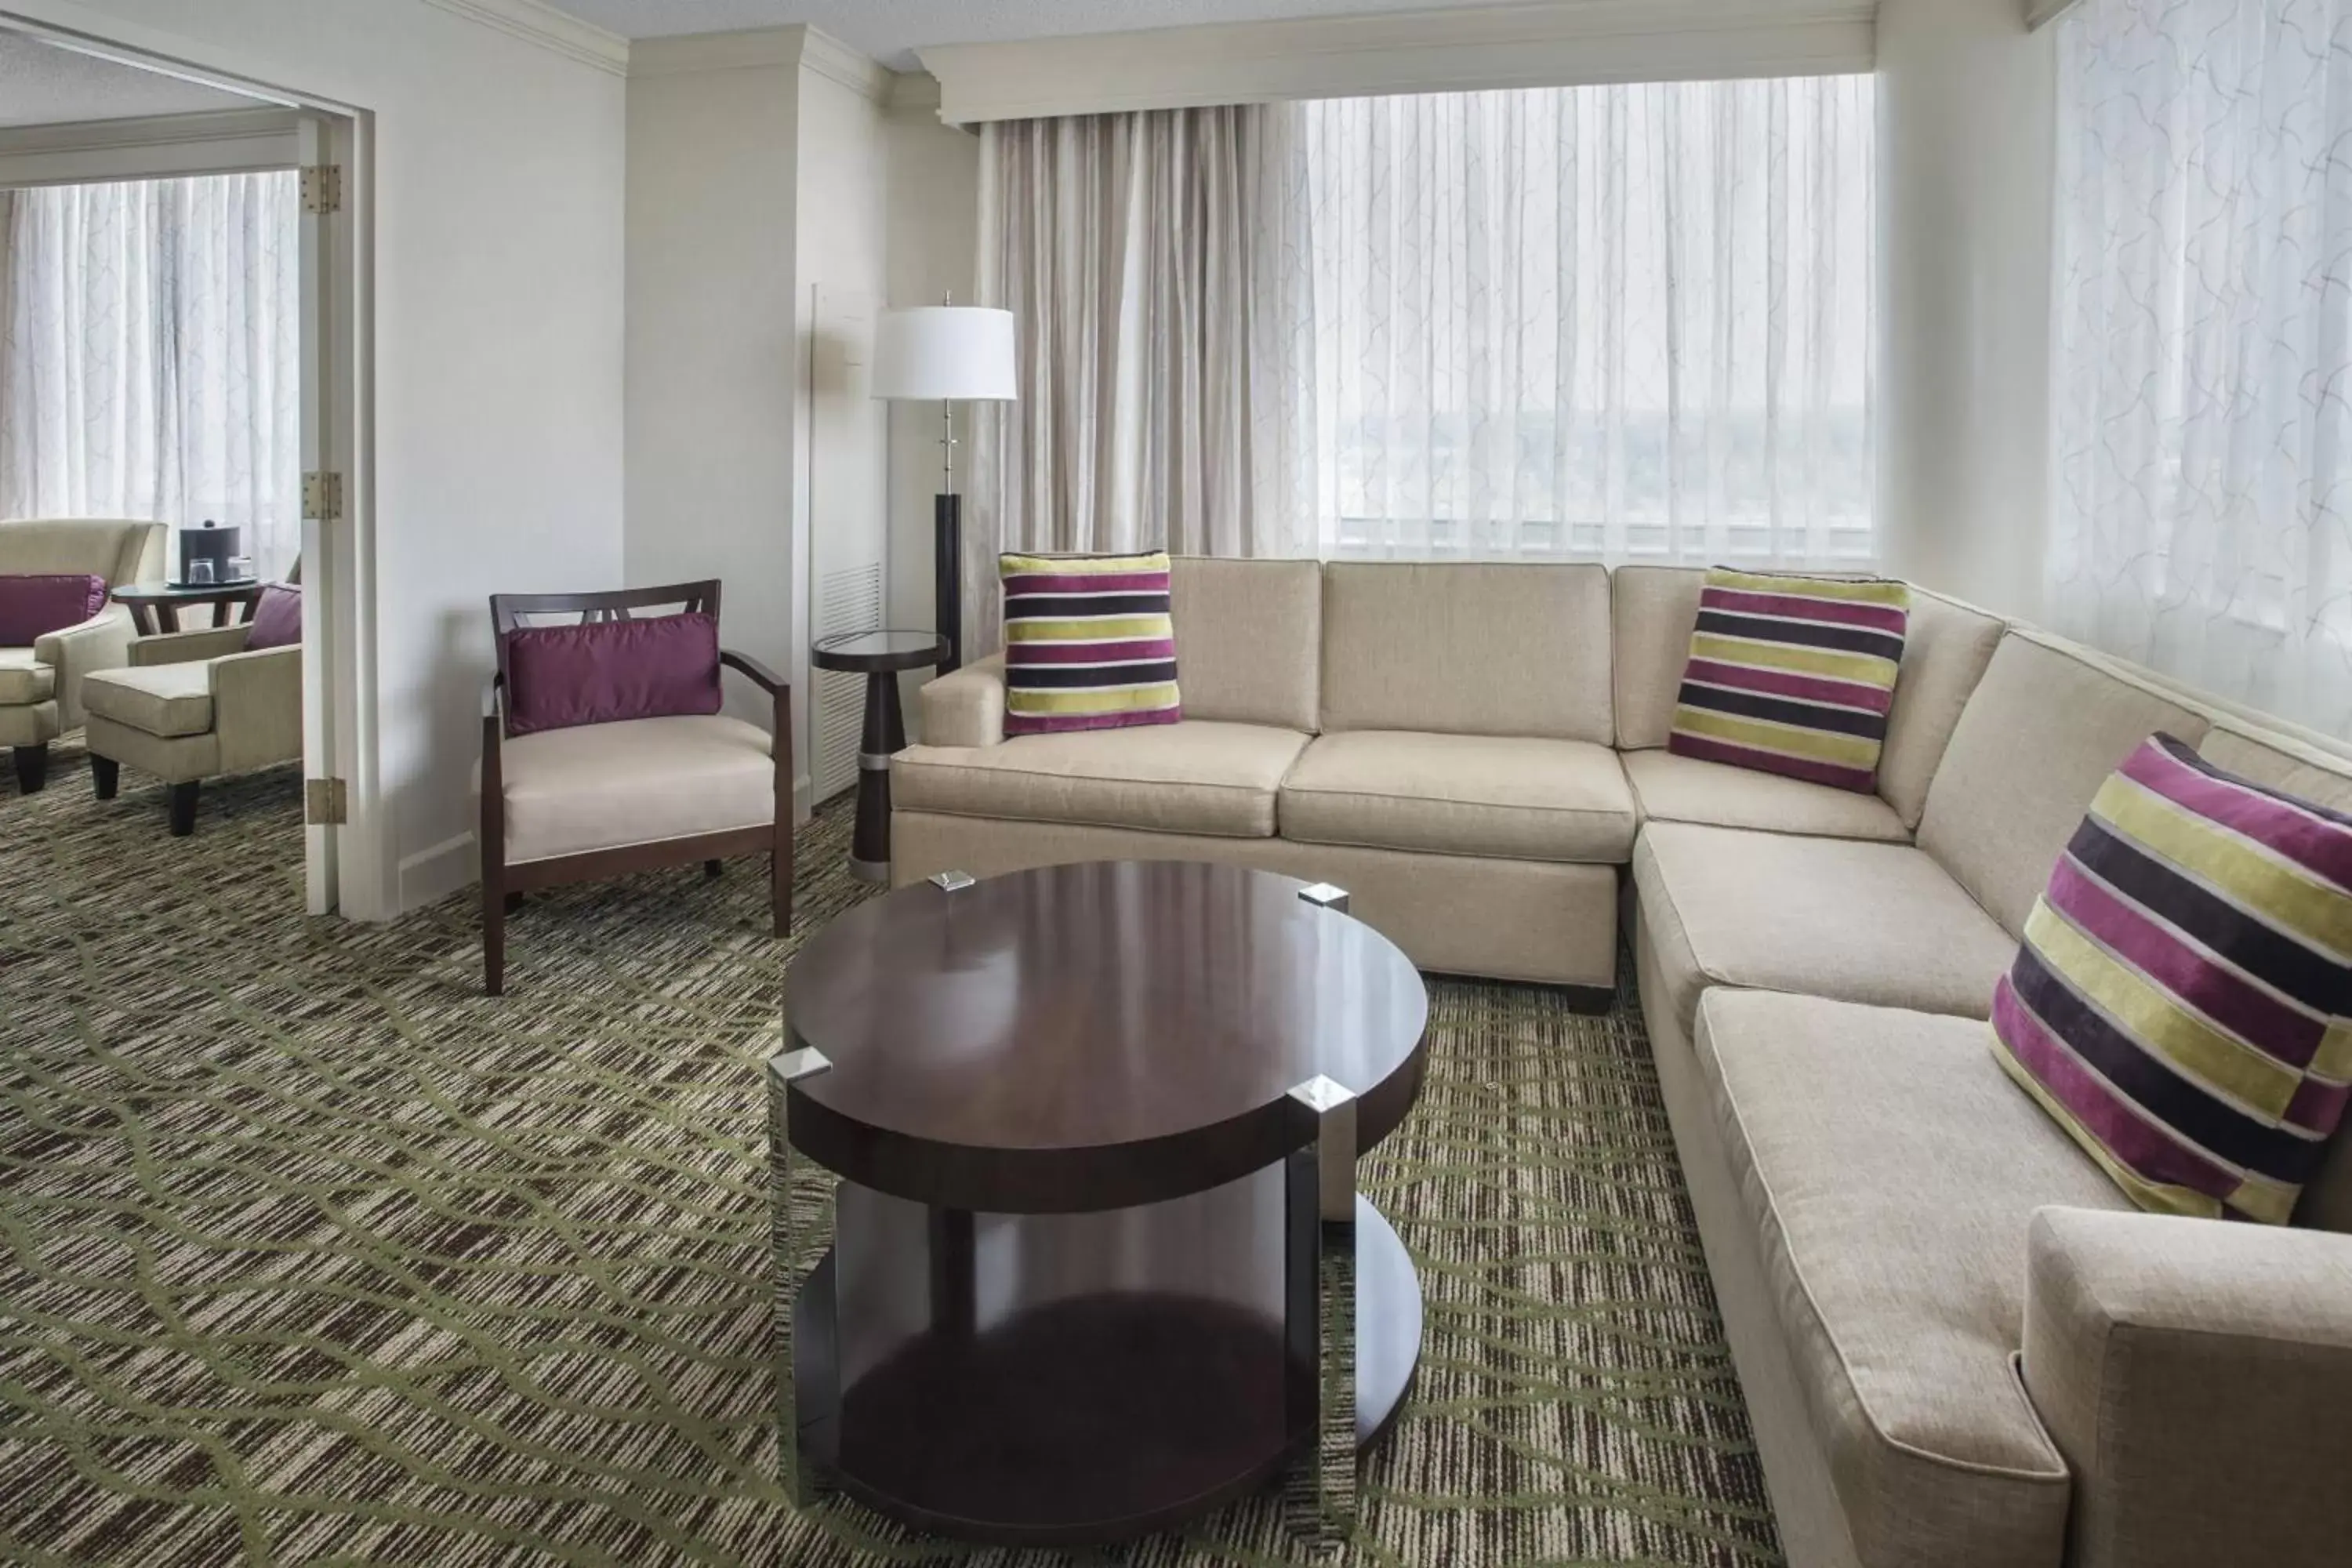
column 104, row 133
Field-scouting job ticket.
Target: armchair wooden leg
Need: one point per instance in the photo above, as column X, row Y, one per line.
column 184, row 808
column 711, row 869
column 105, row 776
column 32, row 767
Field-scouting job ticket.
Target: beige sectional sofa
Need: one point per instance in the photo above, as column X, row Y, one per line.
column 1960, row 1346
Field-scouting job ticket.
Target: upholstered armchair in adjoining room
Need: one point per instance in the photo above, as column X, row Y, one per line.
column 58, row 625
column 203, row 704
column 605, row 752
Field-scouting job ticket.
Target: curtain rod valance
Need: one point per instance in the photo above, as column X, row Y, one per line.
column 1560, row 43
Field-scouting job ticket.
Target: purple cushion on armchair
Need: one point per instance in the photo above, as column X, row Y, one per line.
column 277, row 618
column 657, row 668
column 32, row 607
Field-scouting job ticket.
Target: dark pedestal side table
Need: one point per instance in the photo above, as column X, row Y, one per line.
column 1097, row 1261
column 155, row 606
column 879, row 656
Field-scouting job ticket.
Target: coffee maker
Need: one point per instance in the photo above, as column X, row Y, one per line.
column 208, row 557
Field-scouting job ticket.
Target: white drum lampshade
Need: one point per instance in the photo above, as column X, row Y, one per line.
column 953, row 353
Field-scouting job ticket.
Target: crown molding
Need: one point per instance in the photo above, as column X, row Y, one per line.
column 217, row 142
column 829, row 57
column 770, row 48
column 1551, row 43
column 536, row 21
column 913, row 94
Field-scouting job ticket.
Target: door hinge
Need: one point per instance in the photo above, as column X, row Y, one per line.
column 323, row 802
column 322, row 495
column 322, row 188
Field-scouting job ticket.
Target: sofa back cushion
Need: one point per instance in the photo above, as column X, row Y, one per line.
column 656, row 668
column 1249, row 637
column 1465, row 650
column 1944, row 656
column 121, row 551
column 1652, row 611
column 2039, row 735
column 34, row 606
column 2324, row 778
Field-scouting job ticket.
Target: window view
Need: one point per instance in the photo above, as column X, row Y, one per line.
column 1622, row 322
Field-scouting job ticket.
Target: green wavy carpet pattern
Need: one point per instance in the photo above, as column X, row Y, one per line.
column 314, row 1254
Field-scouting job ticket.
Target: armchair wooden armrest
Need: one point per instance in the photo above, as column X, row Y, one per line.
column 780, row 865
column 759, row 674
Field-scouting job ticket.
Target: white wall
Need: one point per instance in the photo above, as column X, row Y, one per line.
column 933, row 221
column 498, row 311
column 1965, row 103
column 713, row 346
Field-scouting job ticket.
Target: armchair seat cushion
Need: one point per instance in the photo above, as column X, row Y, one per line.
column 1501, row 796
column 157, row 700
column 24, row 679
column 634, row 781
column 1193, row 776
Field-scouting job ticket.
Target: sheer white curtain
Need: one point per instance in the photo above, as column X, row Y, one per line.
column 148, row 355
column 1617, row 322
column 2204, row 326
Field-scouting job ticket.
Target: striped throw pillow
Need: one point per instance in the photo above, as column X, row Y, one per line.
column 2181, row 1000
column 1088, row 644
column 1792, row 675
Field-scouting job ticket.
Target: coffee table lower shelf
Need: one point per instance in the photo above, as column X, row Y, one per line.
column 1094, row 1418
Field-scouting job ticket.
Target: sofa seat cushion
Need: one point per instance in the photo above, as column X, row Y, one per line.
column 1824, row 916
column 1506, row 797
column 157, row 698
column 24, row 679
column 1197, row 776
column 635, row 780
column 1671, row 788
column 1890, row 1170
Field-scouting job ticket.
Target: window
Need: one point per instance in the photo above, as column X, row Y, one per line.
column 1621, row 322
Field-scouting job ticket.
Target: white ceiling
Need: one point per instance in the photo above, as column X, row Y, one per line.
column 43, row 85
column 891, row 30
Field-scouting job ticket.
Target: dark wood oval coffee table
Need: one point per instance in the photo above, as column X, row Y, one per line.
column 1098, row 1263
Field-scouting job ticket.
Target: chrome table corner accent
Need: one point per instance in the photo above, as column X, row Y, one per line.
column 952, row 882
column 1319, row 1196
column 1325, row 896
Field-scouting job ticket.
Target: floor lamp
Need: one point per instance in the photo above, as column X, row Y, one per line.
column 948, row 355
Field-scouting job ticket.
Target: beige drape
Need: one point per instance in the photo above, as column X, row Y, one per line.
column 1141, row 257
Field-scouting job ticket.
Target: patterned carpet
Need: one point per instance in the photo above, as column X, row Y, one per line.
column 314, row 1254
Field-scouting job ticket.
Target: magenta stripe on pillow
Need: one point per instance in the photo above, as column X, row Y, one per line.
column 2290, row 828
column 1781, row 683
column 1088, row 652
column 1708, row 749
column 1055, row 723
column 1098, row 583
column 2317, row 1106
column 2151, row 1154
column 1840, row 611
column 2269, row 1025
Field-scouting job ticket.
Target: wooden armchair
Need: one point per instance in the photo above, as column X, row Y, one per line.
column 585, row 800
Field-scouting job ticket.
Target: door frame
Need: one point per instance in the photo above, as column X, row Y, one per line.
column 348, row 869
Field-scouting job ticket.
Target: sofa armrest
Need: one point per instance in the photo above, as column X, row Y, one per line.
column 257, row 707
column 103, row 642
column 2197, row 1375
column 186, row 647
column 966, row 707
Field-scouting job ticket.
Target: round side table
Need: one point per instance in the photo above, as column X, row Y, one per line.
column 879, row 656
